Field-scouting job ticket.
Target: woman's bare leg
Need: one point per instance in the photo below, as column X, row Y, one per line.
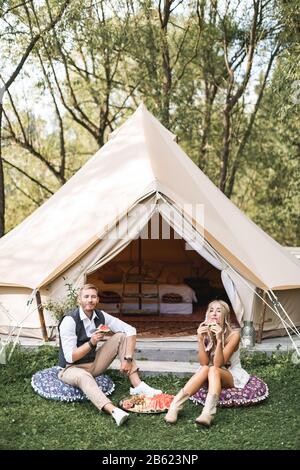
column 218, row 378
column 196, row 381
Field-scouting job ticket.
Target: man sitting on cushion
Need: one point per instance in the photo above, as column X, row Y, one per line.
column 81, row 362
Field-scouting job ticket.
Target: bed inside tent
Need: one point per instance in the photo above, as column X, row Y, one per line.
column 158, row 283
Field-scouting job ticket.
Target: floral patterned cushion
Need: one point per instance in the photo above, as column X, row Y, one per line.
column 47, row 384
column 254, row 391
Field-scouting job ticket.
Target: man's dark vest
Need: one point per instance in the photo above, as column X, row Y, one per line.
column 81, row 336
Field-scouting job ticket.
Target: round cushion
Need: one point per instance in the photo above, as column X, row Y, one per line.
column 254, row 391
column 47, row 384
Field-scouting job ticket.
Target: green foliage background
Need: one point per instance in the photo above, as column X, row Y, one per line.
column 84, row 78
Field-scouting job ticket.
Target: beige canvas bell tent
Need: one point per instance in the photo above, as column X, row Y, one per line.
column 294, row 250
column 139, row 174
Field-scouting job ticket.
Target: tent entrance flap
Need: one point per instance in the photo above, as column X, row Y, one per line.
column 168, row 258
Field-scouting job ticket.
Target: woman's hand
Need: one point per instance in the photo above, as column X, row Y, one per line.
column 202, row 330
column 217, row 331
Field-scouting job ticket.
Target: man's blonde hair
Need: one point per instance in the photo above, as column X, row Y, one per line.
column 88, row 286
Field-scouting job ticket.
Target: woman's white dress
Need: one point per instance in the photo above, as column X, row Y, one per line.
column 240, row 375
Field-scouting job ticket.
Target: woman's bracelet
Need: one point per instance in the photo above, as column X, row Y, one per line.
column 91, row 344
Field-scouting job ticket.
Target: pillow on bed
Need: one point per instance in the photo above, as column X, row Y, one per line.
column 187, row 294
column 171, row 298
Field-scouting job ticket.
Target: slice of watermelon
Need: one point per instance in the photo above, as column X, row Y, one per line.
column 104, row 329
column 211, row 323
column 161, row 402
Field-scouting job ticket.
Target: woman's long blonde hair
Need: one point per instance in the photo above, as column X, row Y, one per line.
column 225, row 324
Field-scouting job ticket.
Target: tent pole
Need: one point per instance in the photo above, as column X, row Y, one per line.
column 262, row 322
column 140, row 269
column 41, row 315
column 276, row 303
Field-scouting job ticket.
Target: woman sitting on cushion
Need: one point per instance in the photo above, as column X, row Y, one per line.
column 219, row 363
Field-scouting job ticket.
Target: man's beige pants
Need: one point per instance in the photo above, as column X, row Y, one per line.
column 82, row 375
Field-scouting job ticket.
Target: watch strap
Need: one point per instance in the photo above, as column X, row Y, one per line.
column 128, row 359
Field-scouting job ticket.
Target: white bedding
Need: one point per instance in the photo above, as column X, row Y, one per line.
column 165, row 309
column 187, row 293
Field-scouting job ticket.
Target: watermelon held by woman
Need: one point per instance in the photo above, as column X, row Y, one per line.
column 210, row 323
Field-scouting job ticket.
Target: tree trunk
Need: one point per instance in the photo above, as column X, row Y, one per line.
column 166, row 65
column 166, row 85
column 209, row 99
column 2, row 193
column 226, row 149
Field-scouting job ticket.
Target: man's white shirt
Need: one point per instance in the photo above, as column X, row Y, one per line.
column 68, row 336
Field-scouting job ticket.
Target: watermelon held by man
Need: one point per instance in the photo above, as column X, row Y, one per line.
column 103, row 329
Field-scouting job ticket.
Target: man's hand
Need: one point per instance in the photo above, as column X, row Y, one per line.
column 126, row 367
column 96, row 337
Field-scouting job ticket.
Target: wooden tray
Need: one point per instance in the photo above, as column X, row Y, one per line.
column 146, row 405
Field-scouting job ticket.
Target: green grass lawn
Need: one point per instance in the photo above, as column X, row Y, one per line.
column 28, row 421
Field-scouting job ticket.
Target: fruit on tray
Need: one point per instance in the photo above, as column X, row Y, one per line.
column 142, row 404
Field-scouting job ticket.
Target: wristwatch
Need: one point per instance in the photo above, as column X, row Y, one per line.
column 128, row 359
